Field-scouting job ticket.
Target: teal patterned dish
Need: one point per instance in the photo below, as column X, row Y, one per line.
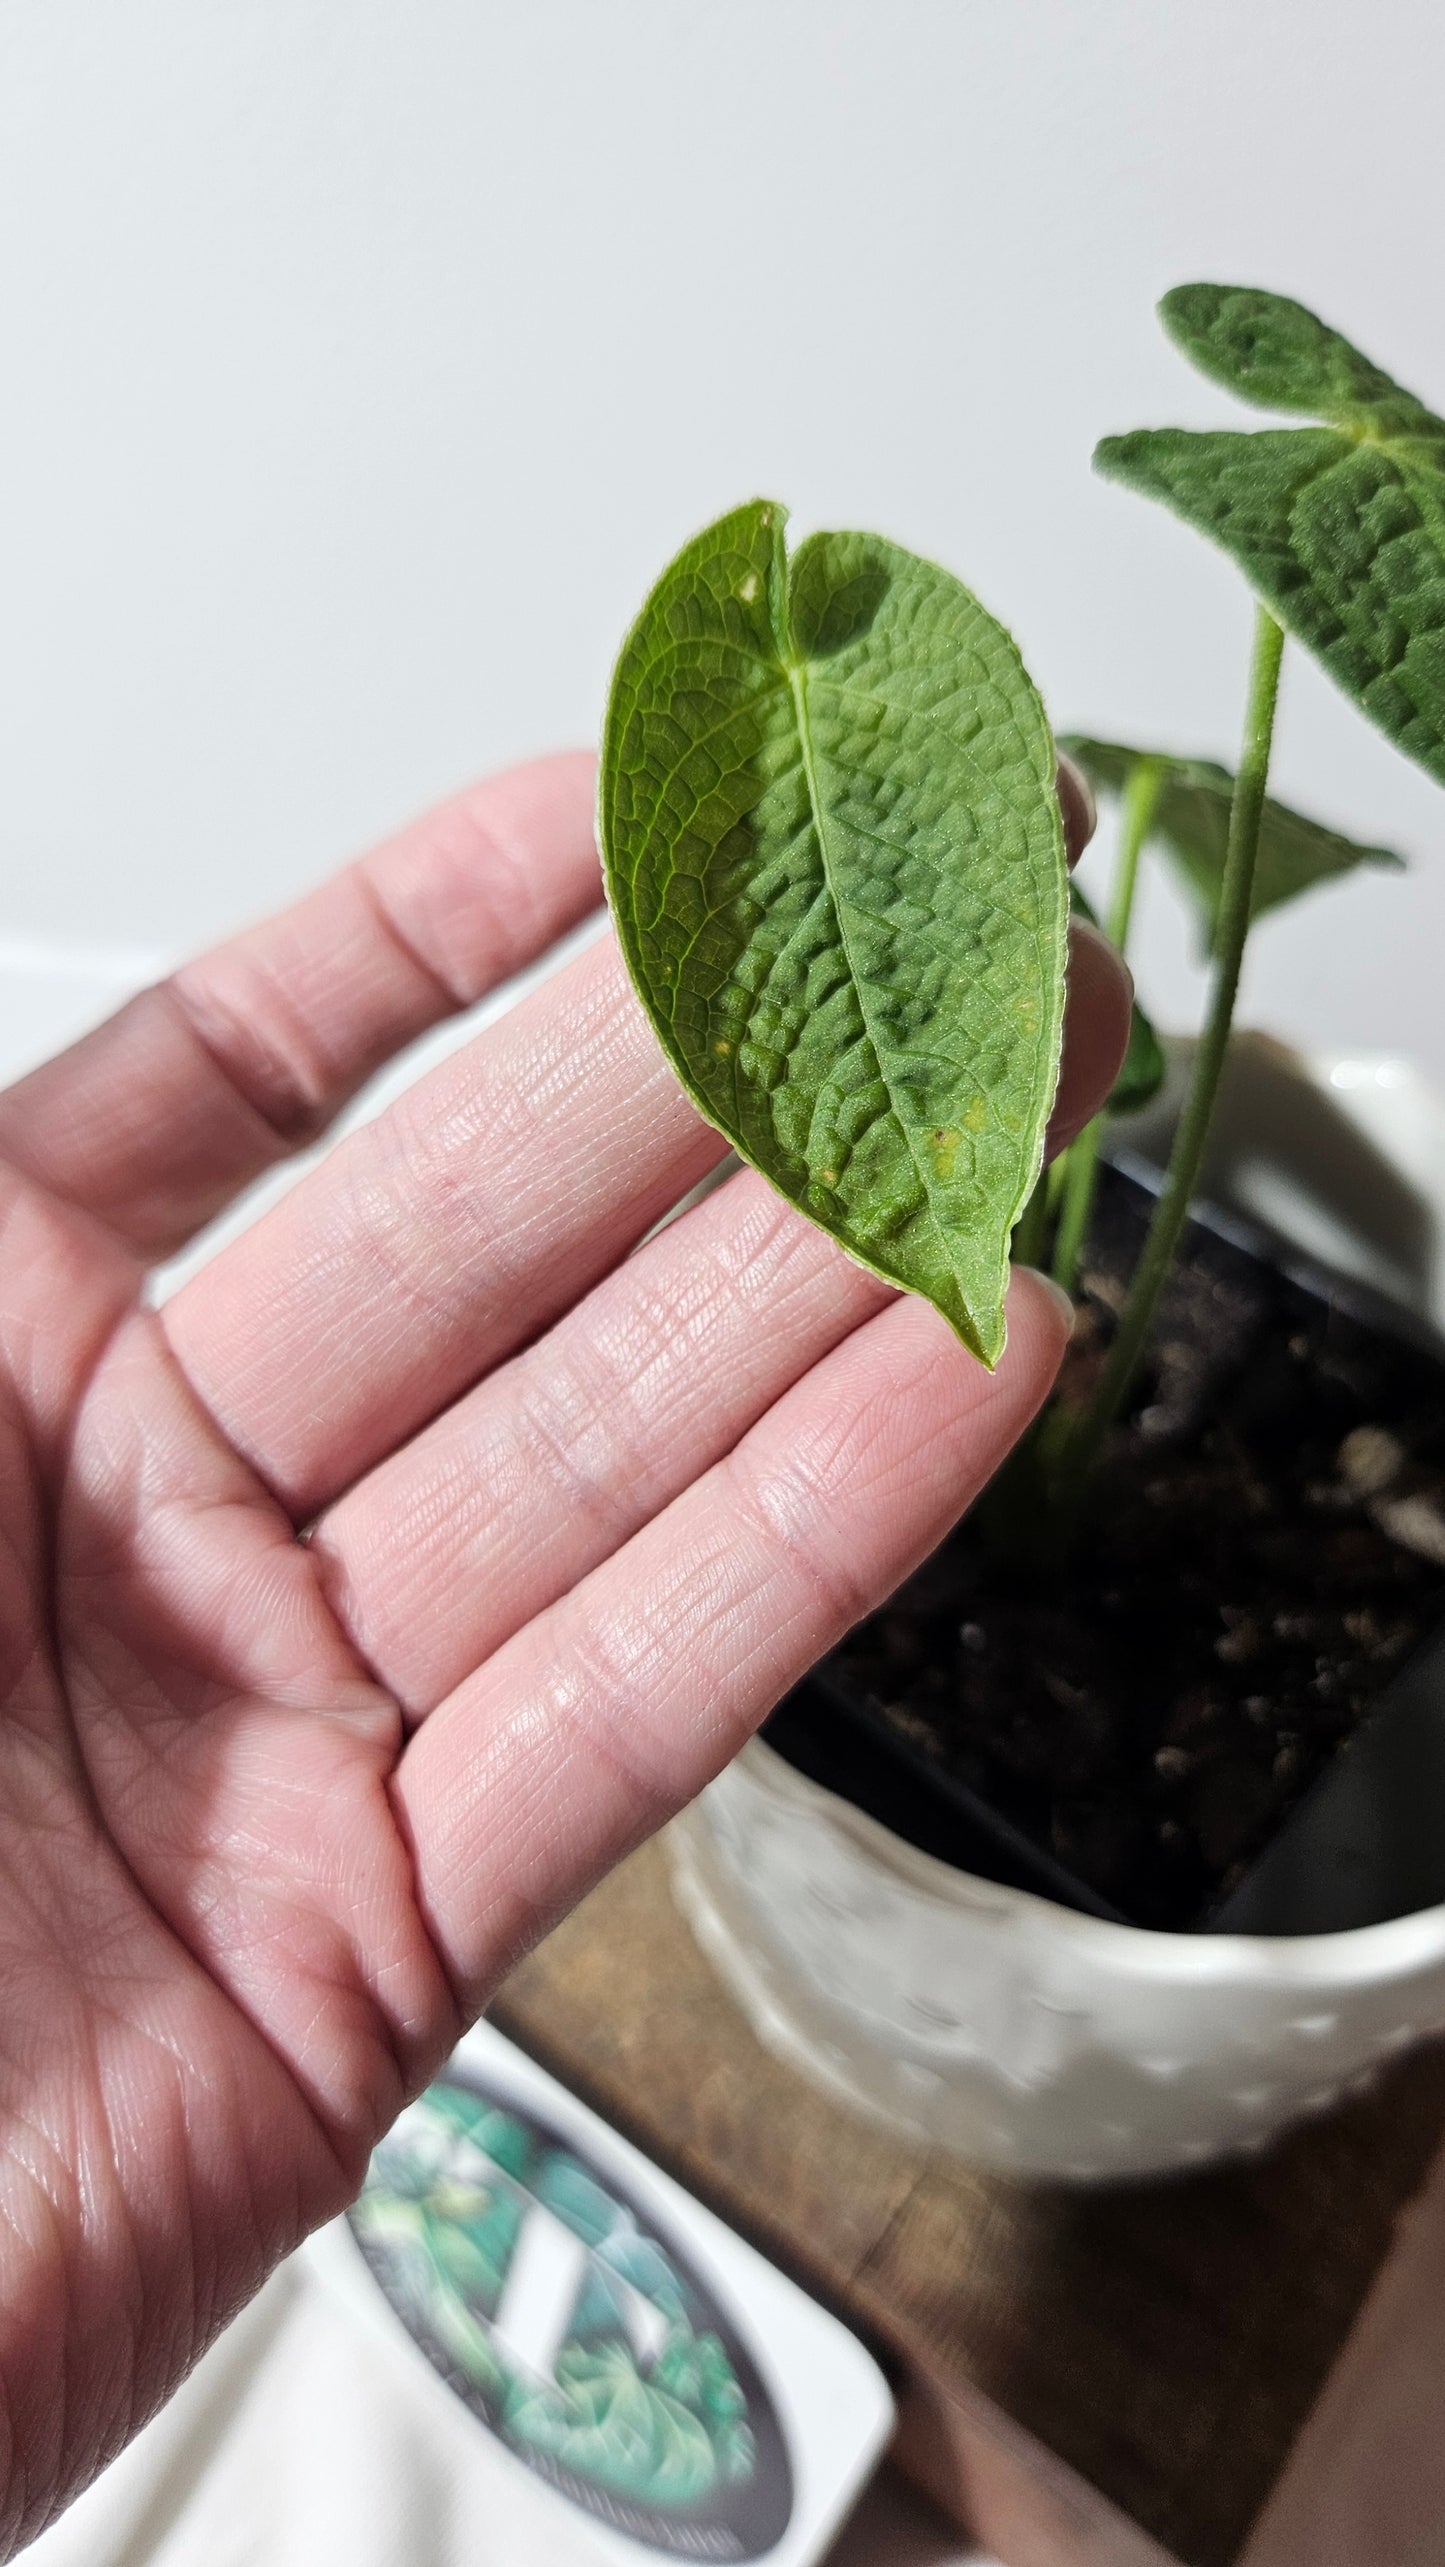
column 582, row 2337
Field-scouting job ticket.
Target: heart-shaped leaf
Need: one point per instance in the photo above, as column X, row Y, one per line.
column 1340, row 529
column 835, row 861
column 1143, row 1068
column 1191, row 821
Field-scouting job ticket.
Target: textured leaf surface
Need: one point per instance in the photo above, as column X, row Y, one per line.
column 1143, row 1068
column 1340, row 529
column 835, row 862
column 1191, row 821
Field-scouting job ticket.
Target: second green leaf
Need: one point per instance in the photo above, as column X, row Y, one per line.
column 1191, row 821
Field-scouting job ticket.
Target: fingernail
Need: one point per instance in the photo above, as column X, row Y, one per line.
column 1061, row 1300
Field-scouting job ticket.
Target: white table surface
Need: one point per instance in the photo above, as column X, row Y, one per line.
column 301, row 2441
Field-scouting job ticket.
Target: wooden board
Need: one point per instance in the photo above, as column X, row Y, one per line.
column 1111, row 2375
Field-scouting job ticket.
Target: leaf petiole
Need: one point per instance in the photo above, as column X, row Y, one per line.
column 1140, row 802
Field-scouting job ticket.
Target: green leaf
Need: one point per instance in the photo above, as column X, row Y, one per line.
column 1283, row 357
column 1191, row 820
column 835, row 862
column 1143, row 1070
column 1340, row 529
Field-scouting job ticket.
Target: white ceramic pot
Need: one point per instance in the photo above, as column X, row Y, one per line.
column 1021, row 2034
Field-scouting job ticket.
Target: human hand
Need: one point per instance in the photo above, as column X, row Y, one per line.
column 275, row 1815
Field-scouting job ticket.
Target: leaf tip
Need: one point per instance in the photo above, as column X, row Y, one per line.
column 1187, row 308
column 1113, row 455
column 989, row 1348
column 983, row 1332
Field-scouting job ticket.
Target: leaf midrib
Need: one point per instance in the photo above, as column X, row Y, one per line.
column 796, row 673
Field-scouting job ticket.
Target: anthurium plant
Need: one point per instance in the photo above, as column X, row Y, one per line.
column 834, row 854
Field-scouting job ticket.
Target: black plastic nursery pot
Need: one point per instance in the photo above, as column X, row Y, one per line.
column 1227, row 1712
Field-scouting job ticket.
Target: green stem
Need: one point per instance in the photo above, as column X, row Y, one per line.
column 1079, row 1186
column 1085, row 1442
column 1136, row 819
column 1031, row 1228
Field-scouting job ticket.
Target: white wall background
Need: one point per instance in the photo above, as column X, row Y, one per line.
column 363, row 360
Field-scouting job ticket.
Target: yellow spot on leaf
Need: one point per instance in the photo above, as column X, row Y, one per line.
column 749, row 588
column 945, row 1149
column 722, row 1050
column 827, row 1176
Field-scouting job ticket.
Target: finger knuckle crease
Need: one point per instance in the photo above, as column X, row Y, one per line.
column 264, row 1056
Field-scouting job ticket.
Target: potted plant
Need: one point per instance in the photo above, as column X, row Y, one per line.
column 1049, row 1862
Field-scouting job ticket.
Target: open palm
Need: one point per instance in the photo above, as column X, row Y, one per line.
column 276, row 1812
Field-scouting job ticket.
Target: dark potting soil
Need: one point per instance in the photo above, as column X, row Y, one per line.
column 1261, row 1552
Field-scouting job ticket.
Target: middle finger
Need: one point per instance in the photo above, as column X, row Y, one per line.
column 543, row 1470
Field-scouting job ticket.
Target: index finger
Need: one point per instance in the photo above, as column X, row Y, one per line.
column 160, row 1116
